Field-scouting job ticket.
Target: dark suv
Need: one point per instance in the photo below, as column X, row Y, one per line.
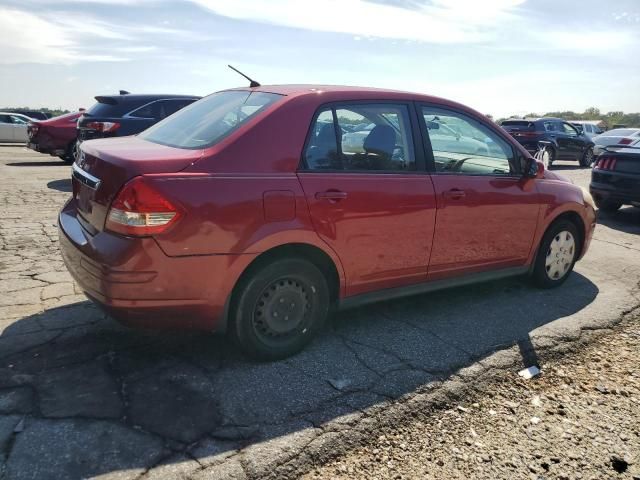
column 127, row 114
column 567, row 143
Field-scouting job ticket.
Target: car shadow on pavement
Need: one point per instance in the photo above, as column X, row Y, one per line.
column 627, row 219
column 63, row 185
column 74, row 384
column 52, row 163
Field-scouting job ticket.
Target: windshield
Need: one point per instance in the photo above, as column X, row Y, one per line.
column 207, row 121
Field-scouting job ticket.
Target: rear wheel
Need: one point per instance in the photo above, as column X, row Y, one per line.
column 280, row 308
column 608, row 206
column 549, row 157
column 70, row 154
column 587, row 158
column 557, row 254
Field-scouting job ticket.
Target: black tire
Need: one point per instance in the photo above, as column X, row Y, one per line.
column 608, row 206
column 70, row 155
column 587, row 158
column 279, row 308
column 551, row 152
column 543, row 274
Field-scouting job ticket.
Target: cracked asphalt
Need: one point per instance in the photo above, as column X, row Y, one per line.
column 81, row 396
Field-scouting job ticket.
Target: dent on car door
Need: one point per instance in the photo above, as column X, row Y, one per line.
column 486, row 212
column 368, row 198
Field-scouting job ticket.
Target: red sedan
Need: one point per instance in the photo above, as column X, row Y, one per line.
column 56, row 136
column 256, row 210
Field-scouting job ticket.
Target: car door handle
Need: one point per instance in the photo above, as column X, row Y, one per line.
column 455, row 194
column 331, row 195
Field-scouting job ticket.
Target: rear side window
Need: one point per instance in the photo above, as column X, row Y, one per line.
column 550, row 127
column 207, row 121
column 462, row 145
column 369, row 137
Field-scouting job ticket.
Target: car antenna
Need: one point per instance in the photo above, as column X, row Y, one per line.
column 253, row 82
column 123, row 92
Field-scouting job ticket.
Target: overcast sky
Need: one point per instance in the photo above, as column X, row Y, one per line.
column 499, row 56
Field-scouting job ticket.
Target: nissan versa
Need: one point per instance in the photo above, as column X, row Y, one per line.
column 247, row 212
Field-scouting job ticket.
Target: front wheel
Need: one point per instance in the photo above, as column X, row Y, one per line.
column 557, row 254
column 587, row 158
column 280, row 308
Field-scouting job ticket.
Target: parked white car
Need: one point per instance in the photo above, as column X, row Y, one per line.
column 616, row 138
column 13, row 127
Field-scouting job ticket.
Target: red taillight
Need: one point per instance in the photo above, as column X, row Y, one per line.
column 606, row 163
column 32, row 130
column 625, row 141
column 105, row 127
column 140, row 210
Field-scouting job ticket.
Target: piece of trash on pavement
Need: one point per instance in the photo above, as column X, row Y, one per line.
column 529, row 372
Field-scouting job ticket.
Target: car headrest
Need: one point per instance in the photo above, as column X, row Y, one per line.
column 381, row 140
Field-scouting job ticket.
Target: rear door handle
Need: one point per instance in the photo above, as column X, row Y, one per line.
column 455, row 194
column 331, row 195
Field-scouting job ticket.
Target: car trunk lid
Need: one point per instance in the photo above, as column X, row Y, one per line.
column 104, row 166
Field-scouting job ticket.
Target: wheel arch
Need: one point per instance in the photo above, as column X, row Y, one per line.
column 324, row 261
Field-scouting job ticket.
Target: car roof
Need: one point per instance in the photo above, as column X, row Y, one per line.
column 373, row 93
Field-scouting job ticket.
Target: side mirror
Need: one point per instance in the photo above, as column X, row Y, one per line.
column 533, row 169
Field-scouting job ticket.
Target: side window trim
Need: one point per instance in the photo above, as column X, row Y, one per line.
column 429, row 149
column 414, row 132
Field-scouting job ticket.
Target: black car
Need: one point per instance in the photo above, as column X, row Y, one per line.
column 615, row 179
column 128, row 114
column 566, row 142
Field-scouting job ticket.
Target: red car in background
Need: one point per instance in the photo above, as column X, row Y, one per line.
column 56, row 136
column 252, row 211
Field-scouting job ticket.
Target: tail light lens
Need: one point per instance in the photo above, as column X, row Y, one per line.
column 141, row 210
column 104, row 127
column 625, row 141
column 606, row 163
column 32, row 130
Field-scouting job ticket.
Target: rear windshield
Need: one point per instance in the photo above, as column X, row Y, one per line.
column 517, row 123
column 207, row 121
column 621, row 132
column 107, row 110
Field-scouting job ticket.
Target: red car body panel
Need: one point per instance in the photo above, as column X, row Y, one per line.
column 53, row 136
column 245, row 196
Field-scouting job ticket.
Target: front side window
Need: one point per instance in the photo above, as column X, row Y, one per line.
column 569, row 130
column 369, row 137
column 205, row 122
column 464, row 146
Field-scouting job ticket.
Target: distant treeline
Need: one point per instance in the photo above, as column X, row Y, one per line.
column 48, row 111
column 610, row 118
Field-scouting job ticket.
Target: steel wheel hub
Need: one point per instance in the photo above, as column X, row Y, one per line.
column 560, row 255
column 281, row 309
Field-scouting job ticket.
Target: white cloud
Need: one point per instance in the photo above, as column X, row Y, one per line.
column 450, row 21
column 27, row 38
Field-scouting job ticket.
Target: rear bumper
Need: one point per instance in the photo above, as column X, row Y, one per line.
column 605, row 192
column 136, row 283
column 44, row 146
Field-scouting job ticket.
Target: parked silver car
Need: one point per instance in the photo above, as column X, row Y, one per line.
column 13, row 127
